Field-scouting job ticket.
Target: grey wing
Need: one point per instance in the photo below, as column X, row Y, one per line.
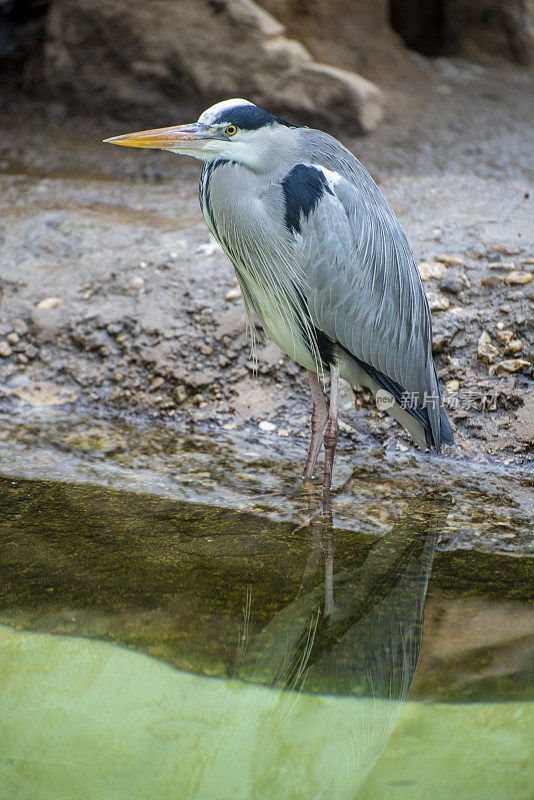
column 365, row 293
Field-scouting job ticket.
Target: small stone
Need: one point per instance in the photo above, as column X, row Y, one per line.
column 505, row 250
column 207, row 350
column 19, row 326
column 526, row 262
column 233, row 294
column 118, row 377
column 464, row 280
column 454, row 363
column 507, row 266
column 49, row 302
column 505, row 309
column 518, row 278
column 510, row 365
column 485, row 350
column 513, row 347
column 491, row 281
column 13, row 338
column 452, row 386
column 450, row 283
column 438, row 343
column 266, row 426
column 5, row 350
column 431, row 269
column 180, row 394
column 282, row 432
column 137, row 282
column 450, row 261
column 437, row 302
column 156, row 384
column 503, row 336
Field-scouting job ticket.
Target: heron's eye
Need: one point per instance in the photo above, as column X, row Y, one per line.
column 231, row 130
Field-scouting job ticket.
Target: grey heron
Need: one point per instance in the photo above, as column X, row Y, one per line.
column 321, row 260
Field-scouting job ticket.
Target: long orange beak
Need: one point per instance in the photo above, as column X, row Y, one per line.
column 177, row 137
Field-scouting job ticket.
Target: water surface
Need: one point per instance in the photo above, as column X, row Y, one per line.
column 157, row 648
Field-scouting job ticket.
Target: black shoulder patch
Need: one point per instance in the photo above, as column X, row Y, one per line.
column 250, row 118
column 303, row 187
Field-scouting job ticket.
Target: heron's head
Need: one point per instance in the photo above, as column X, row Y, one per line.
column 234, row 129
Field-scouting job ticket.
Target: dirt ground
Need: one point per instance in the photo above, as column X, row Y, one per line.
column 113, row 295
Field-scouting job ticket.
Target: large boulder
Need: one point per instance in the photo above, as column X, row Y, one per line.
column 352, row 34
column 163, row 60
column 371, row 37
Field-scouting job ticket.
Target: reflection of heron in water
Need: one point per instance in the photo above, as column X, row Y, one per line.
column 356, row 635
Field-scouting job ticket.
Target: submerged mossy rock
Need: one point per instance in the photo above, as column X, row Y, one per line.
column 165, row 60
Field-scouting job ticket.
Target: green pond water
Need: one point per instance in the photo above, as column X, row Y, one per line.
column 154, row 648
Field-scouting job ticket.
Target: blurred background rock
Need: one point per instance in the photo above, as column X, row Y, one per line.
column 323, row 63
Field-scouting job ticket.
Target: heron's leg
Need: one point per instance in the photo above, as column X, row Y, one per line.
column 330, row 431
column 318, row 421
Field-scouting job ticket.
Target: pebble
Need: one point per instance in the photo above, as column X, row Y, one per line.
column 519, row 278
column 450, row 261
column 510, row 365
column 266, row 426
column 5, row 350
column 431, row 269
column 464, row 280
column 180, row 394
column 503, row 336
column 437, row 302
column 49, row 302
column 505, row 309
column 137, row 282
column 451, row 283
column 452, row 385
column 438, row 343
column 156, row 383
column 486, row 351
column 508, row 266
column 505, row 250
column 19, row 326
column 526, row 262
column 233, row 294
column 513, row 347
column 491, row 281
column 206, row 350
column 13, row 338
column 282, row 432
